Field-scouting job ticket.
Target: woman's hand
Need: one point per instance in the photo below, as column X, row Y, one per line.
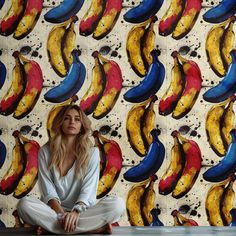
column 70, row 221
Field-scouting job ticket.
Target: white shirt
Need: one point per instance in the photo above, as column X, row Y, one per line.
column 69, row 189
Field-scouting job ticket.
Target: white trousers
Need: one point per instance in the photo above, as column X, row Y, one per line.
column 35, row 212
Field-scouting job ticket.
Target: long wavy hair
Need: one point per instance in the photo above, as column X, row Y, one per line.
column 83, row 144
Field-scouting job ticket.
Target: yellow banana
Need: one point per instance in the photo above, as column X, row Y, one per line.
column 30, row 174
column 227, row 202
column 54, row 111
column 91, row 98
column 15, row 171
column 213, row 128
column 30, row 18
column 212, row 204
column 173, row 172
column 175, row 89
column 148, row 43
column 227, row 124
column 188, row 18
column 213, row 48
column 16, row 90
column 133, row 48
column 54, row 48
column 133, row 203
column 170, row 19
column 227, row 44
column 193, row 85
column 133, row 127
column 91, row 18
column 109, row 18
column 148, row 202
column 68, row 44
column 112, row 89
column 180, row 220
column 148, row 123
column 34, row 85
column 11, row 19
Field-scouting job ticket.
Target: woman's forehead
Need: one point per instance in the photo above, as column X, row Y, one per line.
column 72, row 112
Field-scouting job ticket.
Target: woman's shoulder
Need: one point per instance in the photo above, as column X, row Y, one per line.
column 44, row 150
column 94, row 153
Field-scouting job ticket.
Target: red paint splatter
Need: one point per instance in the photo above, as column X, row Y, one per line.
column 167, row 24
column 114, row 78
column 9, row 23
column 9, row 102
column 166, row 183
column 33, row 5
column 88, row 103
column 34, row 78
column 113, row 156
column 89, row 23
column 193, row 157
column 167, row 103
column 192, row 5
column 193, row 77
column 6, row 183
column 113, row 4
column 32, row 156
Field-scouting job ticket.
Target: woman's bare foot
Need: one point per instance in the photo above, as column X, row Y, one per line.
column 106, row 229
column 40, row 231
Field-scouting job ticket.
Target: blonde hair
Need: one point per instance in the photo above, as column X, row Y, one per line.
column 83, row 143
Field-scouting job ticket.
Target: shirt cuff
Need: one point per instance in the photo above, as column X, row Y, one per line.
column 50, row 197
column 80, row 207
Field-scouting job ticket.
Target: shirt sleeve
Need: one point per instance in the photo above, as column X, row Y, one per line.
column 46, row 184
column 90, row 183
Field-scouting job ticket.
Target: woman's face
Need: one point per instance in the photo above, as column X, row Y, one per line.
column 72, row 123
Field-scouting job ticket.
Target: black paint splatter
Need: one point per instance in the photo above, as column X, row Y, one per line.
column 25, row 50
column 184, row 209
column 25, row 129
column 184, row 50
column 105, row 129
column 184, row 129
column 105, row 50
column 114, row 133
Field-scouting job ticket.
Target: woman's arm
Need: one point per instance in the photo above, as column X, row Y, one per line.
column 87, row 196
column 56, row 206
column 46, row 184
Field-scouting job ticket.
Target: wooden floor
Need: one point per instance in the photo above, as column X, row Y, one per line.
column 142, row 231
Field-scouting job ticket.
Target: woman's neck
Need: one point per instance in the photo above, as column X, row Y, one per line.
column 70, row 142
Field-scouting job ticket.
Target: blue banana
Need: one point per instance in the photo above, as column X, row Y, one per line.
column 2, row 3
column 142, row 12
column 227, row 87
column 64, row 11
column 151, row 83
column 224, row 10
column 151, row 162
column 227, row 165
column 3, row 153
column 3, row 72
column 233, row 215
column 71, row 84
column 155, row 219
column 2, row 225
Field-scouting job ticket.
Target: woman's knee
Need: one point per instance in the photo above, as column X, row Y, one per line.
column 119, row 206
column 23, row 204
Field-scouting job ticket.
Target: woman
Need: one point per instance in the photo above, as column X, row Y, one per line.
column 68, row 178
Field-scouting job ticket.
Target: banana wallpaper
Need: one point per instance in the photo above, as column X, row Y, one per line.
column 157, row 78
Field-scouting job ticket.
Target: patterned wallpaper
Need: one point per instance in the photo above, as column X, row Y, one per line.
column 157, row 79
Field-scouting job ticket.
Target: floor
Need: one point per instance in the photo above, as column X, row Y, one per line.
column 140, row 231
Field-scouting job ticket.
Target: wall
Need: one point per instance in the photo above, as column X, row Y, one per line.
column 113, row 126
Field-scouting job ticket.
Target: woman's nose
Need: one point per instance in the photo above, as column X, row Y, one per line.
column 72, row 121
